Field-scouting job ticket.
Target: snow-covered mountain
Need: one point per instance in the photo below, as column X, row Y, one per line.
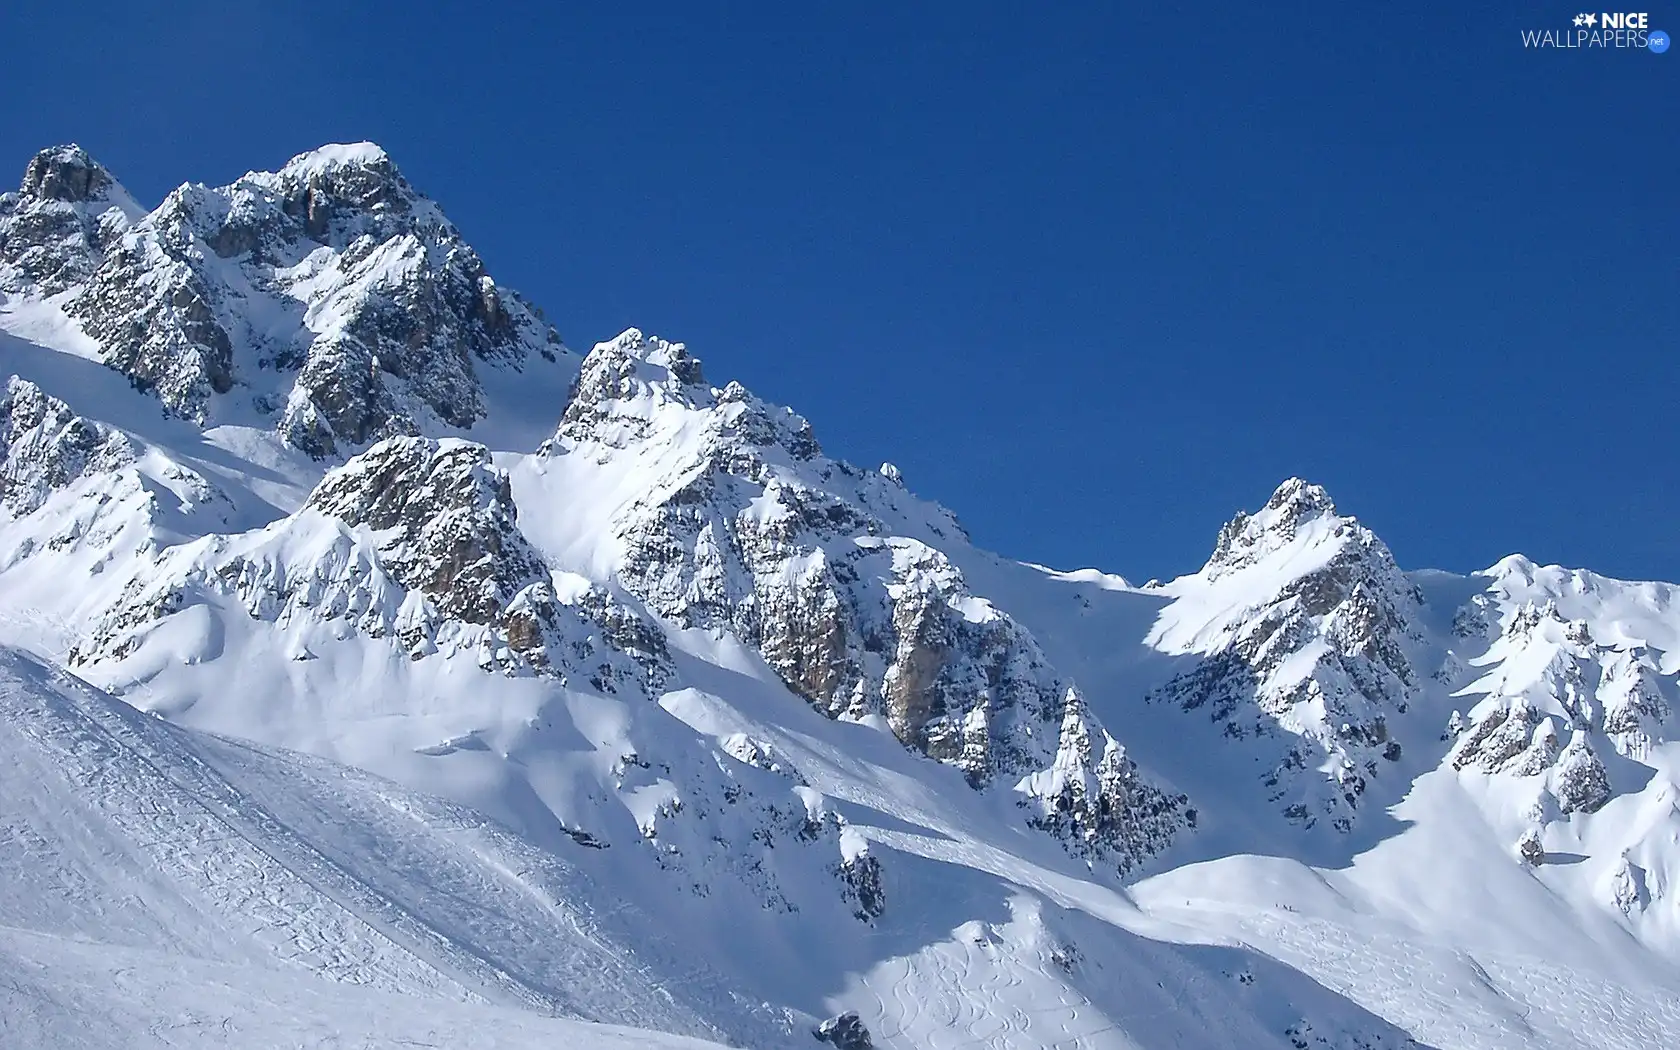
column 329, row 298
column 585, row 687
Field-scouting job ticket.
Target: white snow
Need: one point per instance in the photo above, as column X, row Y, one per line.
column 290, row 830
column 337, row 154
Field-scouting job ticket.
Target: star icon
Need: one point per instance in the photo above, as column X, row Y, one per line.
column 1592, row 20
column 1580, row 20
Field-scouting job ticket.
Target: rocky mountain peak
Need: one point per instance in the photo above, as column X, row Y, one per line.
column 743, row 525
column 55, row 229
column 637, row 388
column 330, row 297
column 65, row 173
column 344, row 190
column 1295, row 509
column 1310, row 629
column 633, row 376
column 1297, row 499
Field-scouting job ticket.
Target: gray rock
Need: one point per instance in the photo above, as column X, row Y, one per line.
column 44, row 446
column 57, row 227
column 844, row 1032
column 65, row 173
column 1579, row 780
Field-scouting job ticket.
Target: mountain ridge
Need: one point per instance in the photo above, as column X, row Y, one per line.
column 668, row 636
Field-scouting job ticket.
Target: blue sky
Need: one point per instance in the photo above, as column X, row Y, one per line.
column 1094, row 278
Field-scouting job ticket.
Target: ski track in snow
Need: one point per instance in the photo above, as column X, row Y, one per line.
column 402, row 894
column 1475, row 999
column 1528, row 1001
column 61, row 992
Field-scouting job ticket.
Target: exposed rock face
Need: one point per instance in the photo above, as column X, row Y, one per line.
column 45, row 446
column 1307, row 626
column 861, row 877
column 751, row 529
column 152, row 313
column 1631, row 700
column 1504, row 738
column 55, row 229
column 1103, row 807
column 844, row 1032
column 1247, row 539
column 417, row 540
column 330, row 295
column 448, row 519
column 71, row 484
column 65, row 173
column 1579, row 781
column 1548, row 676
column 447, row 525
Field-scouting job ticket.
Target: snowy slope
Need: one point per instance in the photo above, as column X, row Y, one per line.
column 735, row 736
column 1421, row 906
column 167, row 845
column 196, row 877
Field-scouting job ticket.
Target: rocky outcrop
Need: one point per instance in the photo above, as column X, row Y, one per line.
column 447, row 526
column 1630, row 697
column 45, row 446
column 154, row 314
column 415, row 540
column 1507, row 738
column 55, row 229
column 751, row 529
column 860, row 875
column 844, row 1032
column 1579, row 781
column 330, row 296
column 1100, row 803
column 447, row 520
column 1309, row 645
column 1546, row 679
column 70, row 485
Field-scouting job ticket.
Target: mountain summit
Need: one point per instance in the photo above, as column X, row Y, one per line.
column 57, row 226
column 330, row 299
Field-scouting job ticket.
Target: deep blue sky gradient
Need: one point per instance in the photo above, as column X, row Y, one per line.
column 1094, row 276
